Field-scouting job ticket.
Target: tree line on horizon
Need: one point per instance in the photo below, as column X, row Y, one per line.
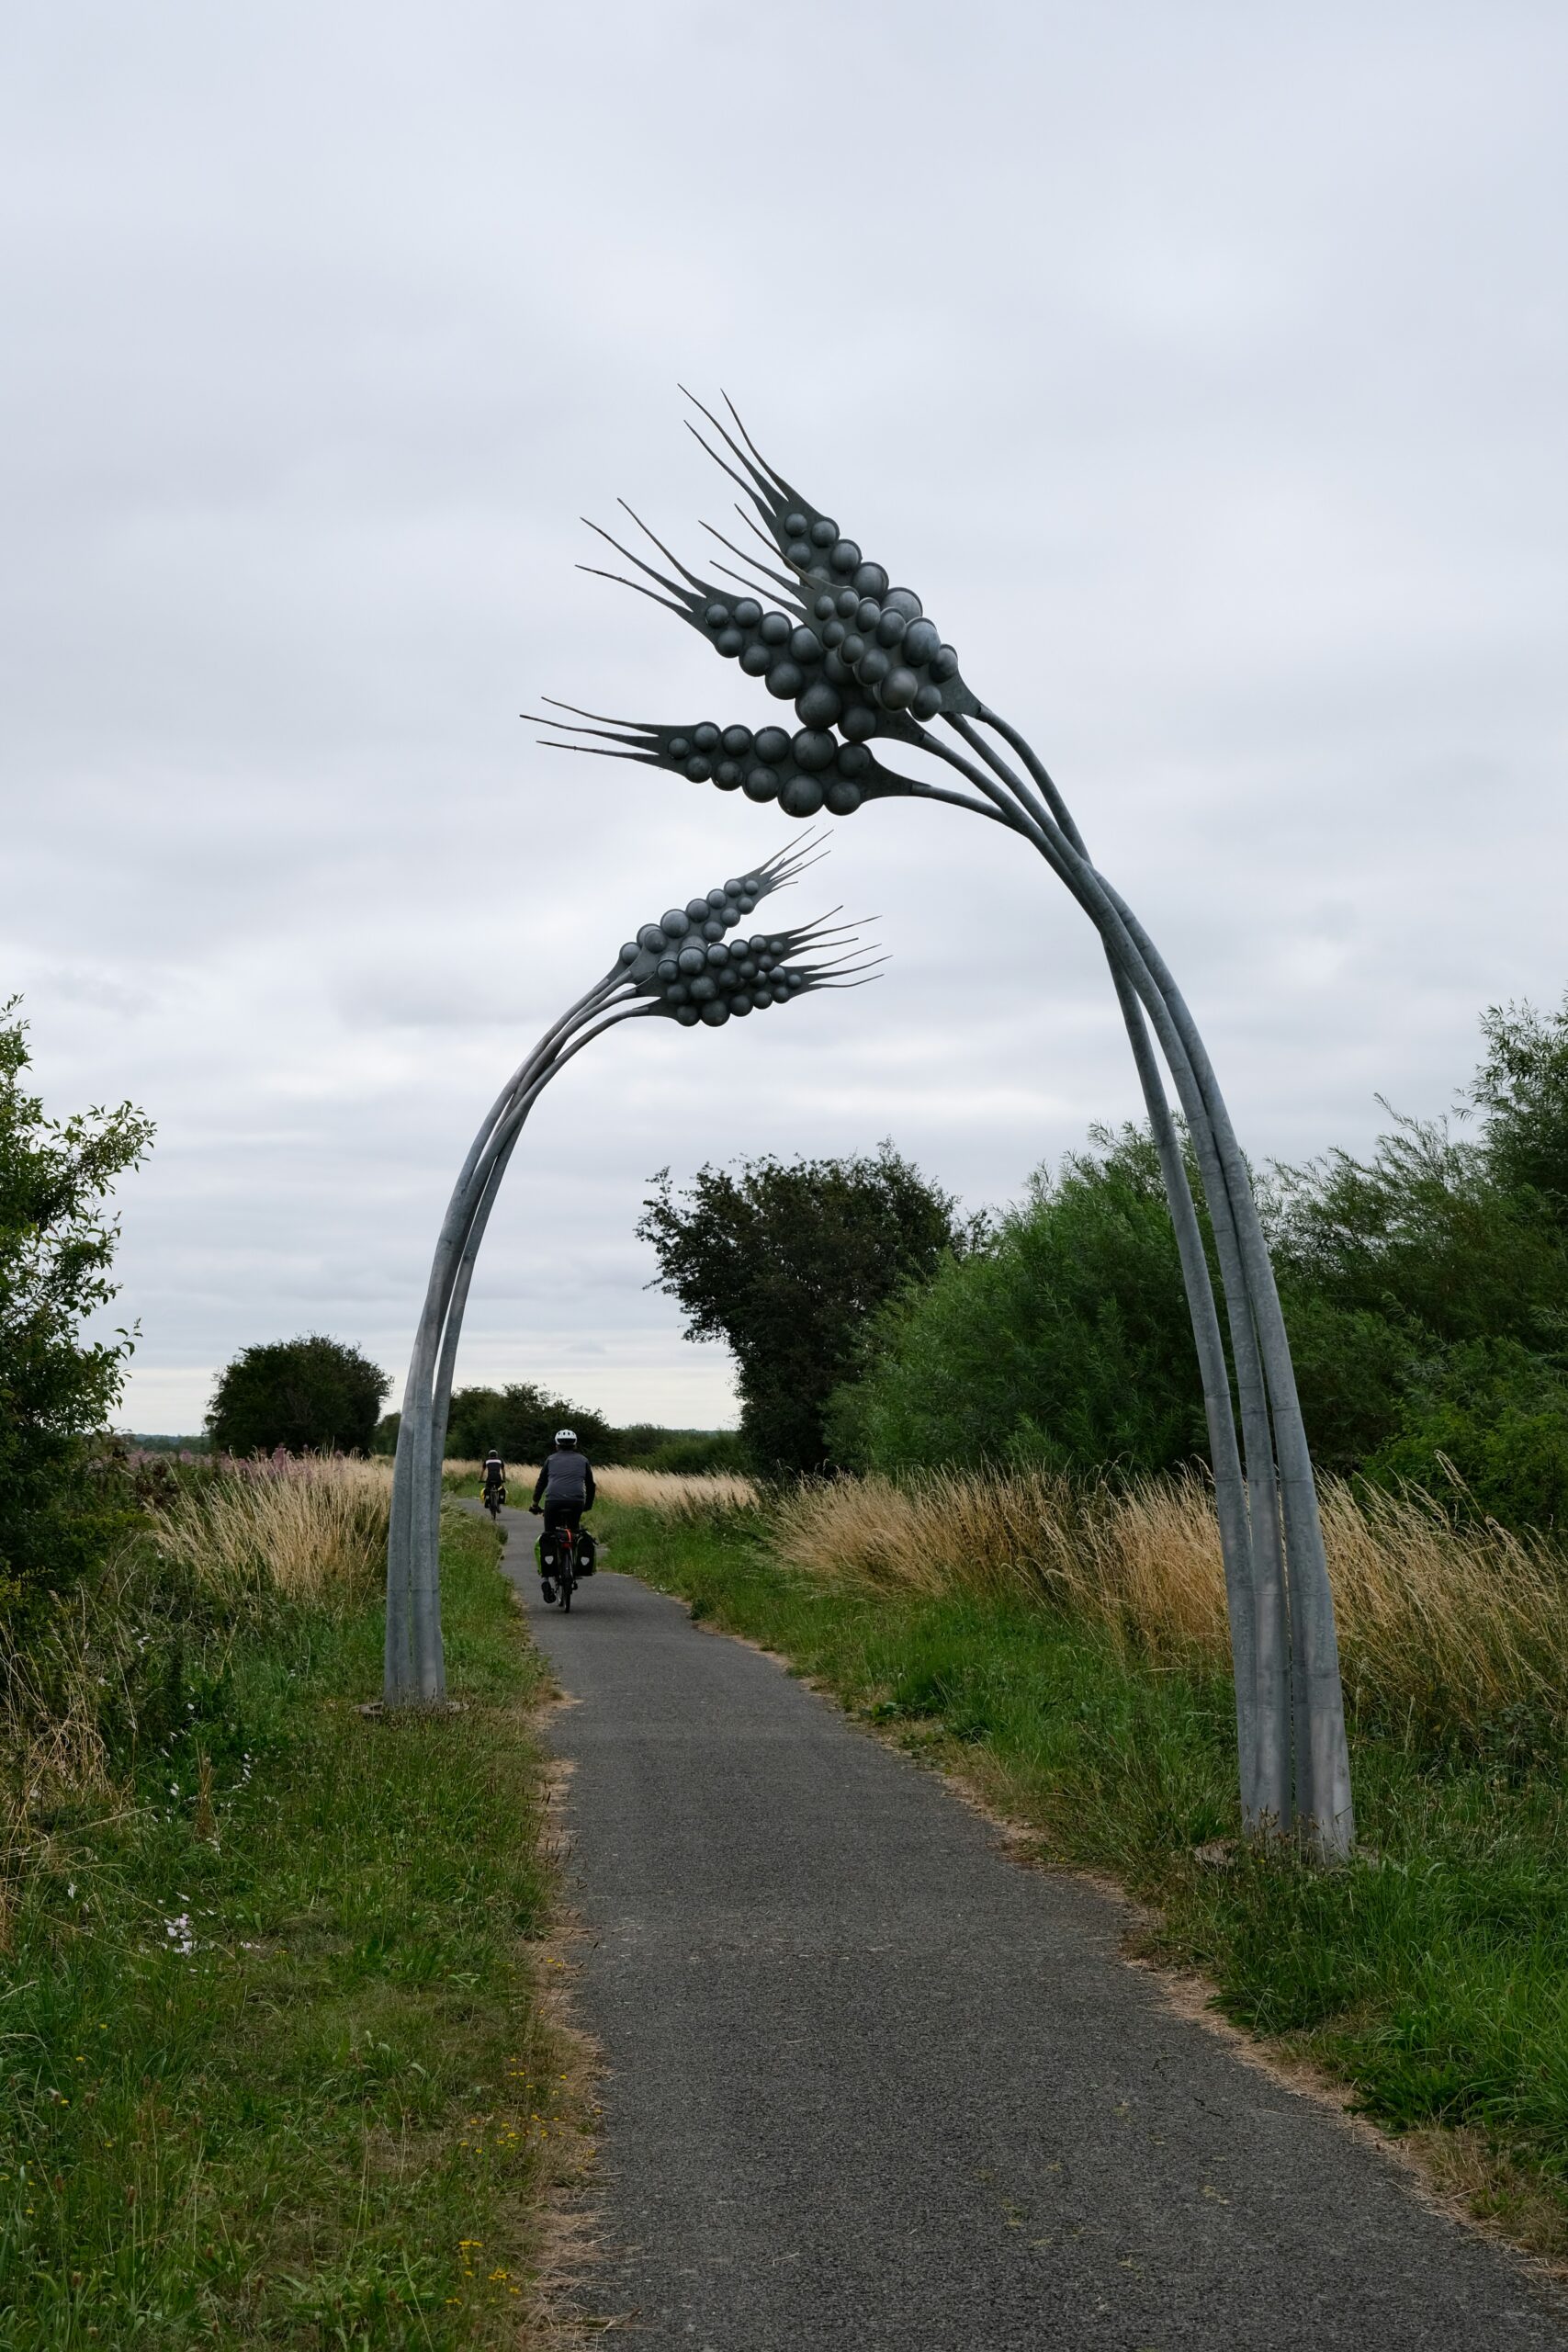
column 319, row 1395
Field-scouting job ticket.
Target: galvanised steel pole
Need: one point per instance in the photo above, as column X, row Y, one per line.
column 684, row 969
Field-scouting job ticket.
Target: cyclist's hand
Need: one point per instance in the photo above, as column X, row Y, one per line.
column 533, row 1510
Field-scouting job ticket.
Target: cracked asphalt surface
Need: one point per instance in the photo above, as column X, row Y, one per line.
column 870, row 2085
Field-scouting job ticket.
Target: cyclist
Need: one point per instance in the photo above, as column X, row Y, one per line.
column 563, row 1491
column 494, row 1480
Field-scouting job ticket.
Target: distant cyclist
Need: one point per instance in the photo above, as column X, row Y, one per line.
column 563, row 1491
column 494, row 1480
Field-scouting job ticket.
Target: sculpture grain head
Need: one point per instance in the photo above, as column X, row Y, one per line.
column 806, row 773
column 831, row 636
column 688, row 967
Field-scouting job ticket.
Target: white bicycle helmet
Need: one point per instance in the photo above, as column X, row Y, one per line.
column 566, row 1437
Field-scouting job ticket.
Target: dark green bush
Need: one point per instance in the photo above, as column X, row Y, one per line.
column 308, row 1396
column 57, row 1242
column 520, row 1421
column 697, row 1453
column 1488, row 1422
column 1062, row 1339
column 1424, row 1287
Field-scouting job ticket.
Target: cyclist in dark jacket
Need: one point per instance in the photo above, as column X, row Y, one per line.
column 563, row 1491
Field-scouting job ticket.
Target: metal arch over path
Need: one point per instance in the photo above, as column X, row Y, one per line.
column 861, row 663
column 686, row 968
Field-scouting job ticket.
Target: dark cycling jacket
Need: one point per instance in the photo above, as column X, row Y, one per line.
column 567, row 1477
column 494, row 1474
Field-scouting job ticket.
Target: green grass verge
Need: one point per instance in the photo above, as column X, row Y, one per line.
column 271, row 2073
column 1431, row 1975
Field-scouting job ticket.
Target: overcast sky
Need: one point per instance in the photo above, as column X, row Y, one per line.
column 1204, row 367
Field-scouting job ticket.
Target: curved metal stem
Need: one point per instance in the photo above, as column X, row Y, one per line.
column 1300, row 1700
column 1322, row 1751
column 441, row 1396
column 412, row 1667
column 1266, row 1780
column 1245, row 1504
column 1265, row 1376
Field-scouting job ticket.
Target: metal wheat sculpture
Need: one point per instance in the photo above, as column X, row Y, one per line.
column 861, row 665
column 686, row 968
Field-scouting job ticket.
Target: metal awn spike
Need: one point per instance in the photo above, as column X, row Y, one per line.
column 861, row 665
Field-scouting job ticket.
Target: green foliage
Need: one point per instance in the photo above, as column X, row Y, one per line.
column 527, row 1419
column 1353, row 1368
column 1424, row 1288
column 1522, row 1087
column 308, row 1396
column 57, row 1243
column 695, row 1453
column 1424, row 1232
column 648, row 1445
column 1062, row 1339
column 1489, row 1420
column 783, row 1261
column 520, row 1421
column 275, row 2076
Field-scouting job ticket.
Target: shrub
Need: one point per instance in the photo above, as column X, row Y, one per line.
column 698, row 1454
column 308, row 1396
column 1490, row 1420
column 1425, row 1289
column 57, row 1245
column 520, row 1421
column 1063, row 1339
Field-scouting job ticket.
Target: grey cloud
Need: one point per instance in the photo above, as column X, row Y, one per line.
column 1204, row 373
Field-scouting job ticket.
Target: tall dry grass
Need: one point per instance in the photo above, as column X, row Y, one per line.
column 312, row 1530
column 674, row 1494
column 311, row 1533
column 1456, row 1628
column 677, row 1494
column 56, row 1697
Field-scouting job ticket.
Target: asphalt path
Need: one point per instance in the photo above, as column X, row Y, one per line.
column 873, row 2086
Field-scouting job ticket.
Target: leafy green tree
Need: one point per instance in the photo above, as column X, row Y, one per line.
column 520, row 1421
column 699, row 1453
column 1522, row 1088
column 1353, row 1369
column 649, row 1445
column 1428, row 1231
column 784, row 1261
column 1063, row 1339
column 311, row 1394
column 57, row 1244
column 1424, row 1287
column 1484, row 1425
